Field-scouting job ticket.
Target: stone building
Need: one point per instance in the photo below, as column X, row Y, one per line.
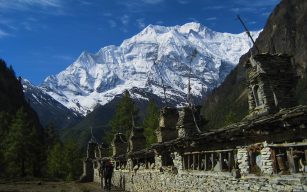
column 96, row 153
column 266, row 151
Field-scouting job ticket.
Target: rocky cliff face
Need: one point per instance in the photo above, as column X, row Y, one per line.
column 284, row 32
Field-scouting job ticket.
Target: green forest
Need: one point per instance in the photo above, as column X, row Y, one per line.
column 28, row 150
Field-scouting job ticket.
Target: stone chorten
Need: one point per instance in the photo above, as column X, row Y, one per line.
column 101, row 151
column 167, row 124
column 119, row 144
column 188, row 121
column 271, row 79
column 137, row 140
column 88, row 170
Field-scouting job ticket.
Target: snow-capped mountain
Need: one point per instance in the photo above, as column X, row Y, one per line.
column 48, row 109
column 141, row 63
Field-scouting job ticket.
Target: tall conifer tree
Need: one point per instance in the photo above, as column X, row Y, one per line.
column 151, row 122
column 126, row 112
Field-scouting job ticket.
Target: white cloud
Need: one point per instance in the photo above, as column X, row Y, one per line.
column 112, row 23
column 252, row 22
column 107, row 14
column 125, row 19
column 244, row 9
column 27, row 4
column 137, row 6
column 160, row 22
column 266, row 14
column 152, row 1
column 85, row 2
column 183, row 2
column 140, row 23
column 211, row 19
column 258, row 3
column 216, row 7
column 193, row 19
column 3, row 33
column 64, row 57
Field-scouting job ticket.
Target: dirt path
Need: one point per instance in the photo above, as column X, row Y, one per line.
column 42, row 186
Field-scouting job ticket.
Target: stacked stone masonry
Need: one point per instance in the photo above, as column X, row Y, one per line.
column 153, row 180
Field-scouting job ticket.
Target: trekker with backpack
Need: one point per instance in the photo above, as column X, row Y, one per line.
column 108, row 172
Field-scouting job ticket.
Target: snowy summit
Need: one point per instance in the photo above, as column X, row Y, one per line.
column 140, row 62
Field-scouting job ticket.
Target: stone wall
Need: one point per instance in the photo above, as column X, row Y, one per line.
column 154, row 180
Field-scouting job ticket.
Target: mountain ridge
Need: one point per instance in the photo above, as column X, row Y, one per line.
column 156, row 53
column 49, row 110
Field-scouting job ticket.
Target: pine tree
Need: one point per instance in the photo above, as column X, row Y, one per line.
column 51, row 137
column 64, row 161
column 151, row 122
column 16, row 145
column 73, row 160
column 4, row 127
column 126, row 112
column 55, row 161
column 22, row 147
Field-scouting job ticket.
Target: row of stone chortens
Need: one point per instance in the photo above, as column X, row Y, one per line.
column 266, row 151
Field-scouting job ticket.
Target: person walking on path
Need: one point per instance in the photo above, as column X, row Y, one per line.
column 108, row 172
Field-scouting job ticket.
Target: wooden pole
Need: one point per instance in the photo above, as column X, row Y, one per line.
column 230, row 161
column 199, row 161
column 273, row 158
column 221, row 162
column 212, row 159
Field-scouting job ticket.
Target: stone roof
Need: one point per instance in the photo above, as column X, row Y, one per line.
column 287, row 124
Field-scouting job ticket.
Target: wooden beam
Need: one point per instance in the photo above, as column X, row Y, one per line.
column 298, row 144
column 194, row 161
column 291, row 162
column 230, row 161
column 215, row 151
column 199, row 161
column 184, row 162
column 206, row 164
column 273, row 158
column 189, row 166
column 221, row 161
column 212, row 163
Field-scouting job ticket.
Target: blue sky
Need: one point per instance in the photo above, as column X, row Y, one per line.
column 42, row 37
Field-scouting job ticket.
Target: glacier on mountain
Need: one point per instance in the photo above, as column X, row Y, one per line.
column 141, row 63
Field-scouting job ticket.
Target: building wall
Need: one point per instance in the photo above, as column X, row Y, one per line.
column 154, row 180
column 97, row 178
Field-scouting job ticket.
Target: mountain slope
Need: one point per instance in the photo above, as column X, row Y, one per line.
column 284, row 32
column 100, row 117
column 48, row 109
column 97, row 78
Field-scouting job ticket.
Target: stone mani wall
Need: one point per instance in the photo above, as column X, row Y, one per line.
column 176, row 179
column 154, row 180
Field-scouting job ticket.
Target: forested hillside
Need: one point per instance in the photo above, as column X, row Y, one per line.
column 26, row 149
column 21, row 135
